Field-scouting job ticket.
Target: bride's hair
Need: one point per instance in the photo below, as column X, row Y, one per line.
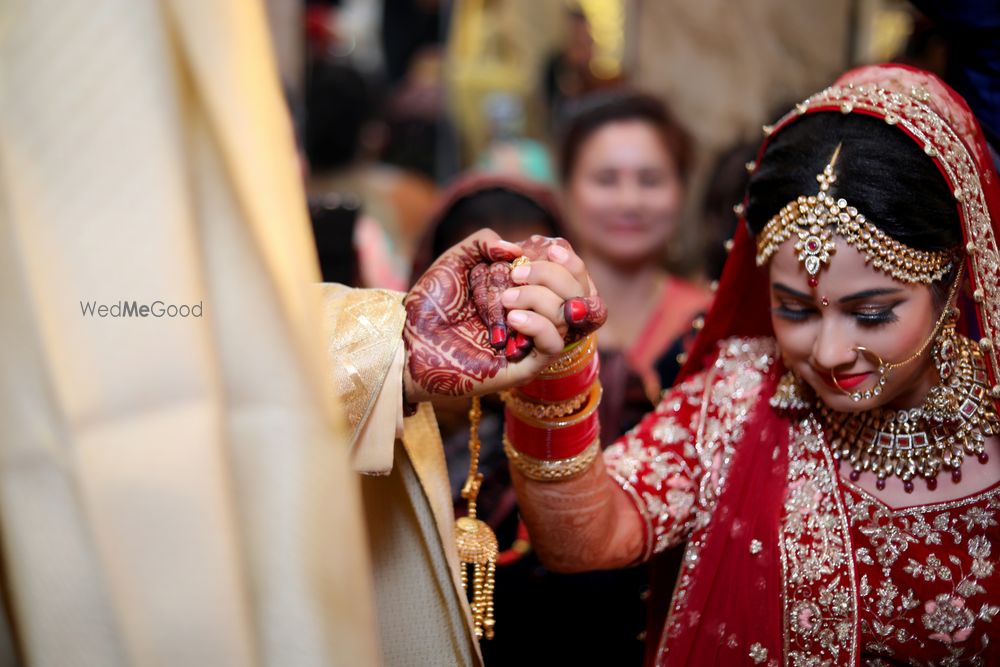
column 880, row 171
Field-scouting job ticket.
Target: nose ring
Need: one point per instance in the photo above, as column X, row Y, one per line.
column 883, row 371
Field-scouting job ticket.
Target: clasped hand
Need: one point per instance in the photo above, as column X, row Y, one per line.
column 474, row 325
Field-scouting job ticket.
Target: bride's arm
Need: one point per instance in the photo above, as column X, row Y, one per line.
column 585, row 523
column 642, row 495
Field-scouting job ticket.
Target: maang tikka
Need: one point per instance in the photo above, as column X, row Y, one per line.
column 815, row 219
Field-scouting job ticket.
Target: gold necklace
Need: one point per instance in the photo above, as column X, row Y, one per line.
column 954, row 421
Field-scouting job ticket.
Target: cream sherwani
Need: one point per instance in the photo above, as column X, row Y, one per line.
column 179, row 491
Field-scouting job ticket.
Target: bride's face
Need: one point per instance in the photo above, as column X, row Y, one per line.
column 818, row 329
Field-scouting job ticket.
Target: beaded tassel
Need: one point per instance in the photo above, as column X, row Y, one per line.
column 477, row 545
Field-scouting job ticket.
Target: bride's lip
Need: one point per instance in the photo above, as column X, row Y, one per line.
column 845, row 380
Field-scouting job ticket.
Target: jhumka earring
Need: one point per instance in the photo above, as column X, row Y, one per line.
column 477, row 545
column 961, row 391
column 790, row 395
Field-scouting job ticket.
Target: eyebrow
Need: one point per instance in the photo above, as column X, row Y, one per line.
column 857, row 296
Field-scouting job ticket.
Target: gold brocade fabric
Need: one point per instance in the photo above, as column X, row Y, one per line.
column 178, row 490
column 406, row 494
column 364, row 330
column 423, row 615
column 173, row 490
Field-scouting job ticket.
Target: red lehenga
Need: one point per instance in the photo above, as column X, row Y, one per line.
column 786, row 563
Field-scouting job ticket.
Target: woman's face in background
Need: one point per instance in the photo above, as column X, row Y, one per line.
column 624, row 194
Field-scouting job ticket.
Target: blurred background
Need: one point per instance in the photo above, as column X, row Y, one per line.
column 393, row 99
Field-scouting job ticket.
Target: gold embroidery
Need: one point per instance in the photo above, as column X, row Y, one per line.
column 688, row 460
column 818, row 571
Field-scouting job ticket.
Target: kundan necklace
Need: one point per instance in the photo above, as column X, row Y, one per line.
column 954, row 421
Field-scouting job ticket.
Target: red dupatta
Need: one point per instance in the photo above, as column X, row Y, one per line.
column 726, row 613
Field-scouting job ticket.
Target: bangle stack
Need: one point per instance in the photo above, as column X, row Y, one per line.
column 552, row 427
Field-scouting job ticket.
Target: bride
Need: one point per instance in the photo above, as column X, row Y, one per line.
column 829, row 455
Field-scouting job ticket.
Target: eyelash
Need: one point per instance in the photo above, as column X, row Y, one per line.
column 866, row 319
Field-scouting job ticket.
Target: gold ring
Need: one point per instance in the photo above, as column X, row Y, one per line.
column 520, row 261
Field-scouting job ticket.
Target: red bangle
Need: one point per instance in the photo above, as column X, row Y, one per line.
column 563, row 388
column 550, row 444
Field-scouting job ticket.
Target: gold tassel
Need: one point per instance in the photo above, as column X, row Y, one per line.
column 477, row 545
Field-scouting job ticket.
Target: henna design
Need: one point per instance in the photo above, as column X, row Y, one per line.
column 580, row 524
column 447, row 341
column 488, row 283
column 584, row 315
column 537, row 247
column 518, row 346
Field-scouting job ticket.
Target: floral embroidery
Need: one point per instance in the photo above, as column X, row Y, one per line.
column 928, row 598
column 948, row 618
column 676, row 459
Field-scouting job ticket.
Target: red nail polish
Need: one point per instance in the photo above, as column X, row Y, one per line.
column 522, row 341
column 498, row 335
column 576, row 311
column 511, row 348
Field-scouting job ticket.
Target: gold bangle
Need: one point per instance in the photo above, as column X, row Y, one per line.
column 593, row 400
column 557, row 470
column 575, row 357
column 542, row 409
column 574, row 345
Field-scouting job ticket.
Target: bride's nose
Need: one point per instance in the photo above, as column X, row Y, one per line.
column 833, row 347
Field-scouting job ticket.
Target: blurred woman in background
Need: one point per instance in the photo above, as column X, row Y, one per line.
column 623, row 161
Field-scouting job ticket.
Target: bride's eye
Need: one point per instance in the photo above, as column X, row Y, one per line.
column 793, row 312
column 873, row 317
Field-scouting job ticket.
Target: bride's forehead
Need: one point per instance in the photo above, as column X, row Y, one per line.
column 847, row 269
